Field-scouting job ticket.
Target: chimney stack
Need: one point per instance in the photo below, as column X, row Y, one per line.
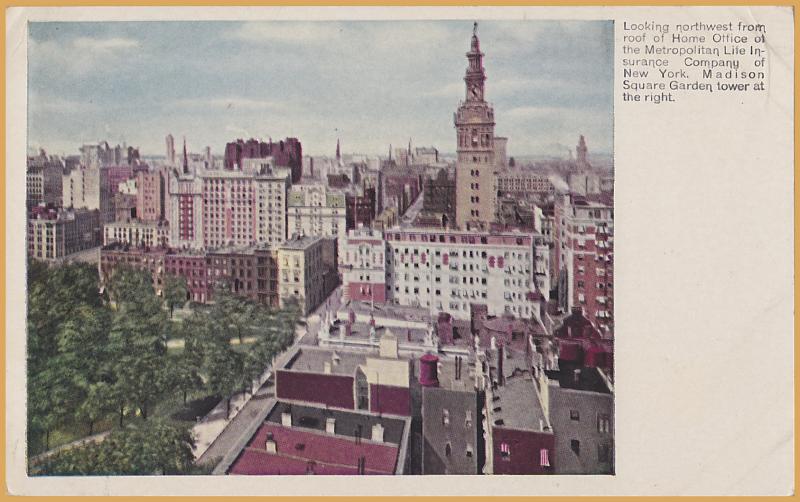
column 286, row 419
column 330, row 425
column 271, row 445
column 377, row 433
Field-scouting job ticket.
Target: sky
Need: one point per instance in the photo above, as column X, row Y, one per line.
column 369, row 83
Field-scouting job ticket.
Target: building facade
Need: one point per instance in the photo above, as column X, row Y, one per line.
column 363, row 266
column 314, row 209
column 55, row 234
column 450, row 270
column 137, row 233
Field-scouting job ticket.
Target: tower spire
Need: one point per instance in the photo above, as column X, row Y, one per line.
column 185, row 158
column 338, row 150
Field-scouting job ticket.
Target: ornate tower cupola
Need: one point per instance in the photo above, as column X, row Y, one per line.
column 475, row 76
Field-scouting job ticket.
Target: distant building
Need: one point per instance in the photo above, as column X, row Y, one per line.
column 286, row 153
column 361, row 209
column 584, row 253
column 151, row 196
column 302, row 271
column 314, row 209
column 582, row 179
column 137, row 233
column 170, row 150
column 248, row 271
column 363, row 266
column 44, row 178
column 426, row 155
column 220, row 208
column 57, row 234
column 439, row 200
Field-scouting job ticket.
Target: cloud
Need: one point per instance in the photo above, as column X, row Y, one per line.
column 78, row 56
column 451, row 90
column 104, row 44
column 41, row 103
column 228, row 103
column 287, row 32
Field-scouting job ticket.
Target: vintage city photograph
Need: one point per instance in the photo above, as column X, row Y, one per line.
column 320, row 248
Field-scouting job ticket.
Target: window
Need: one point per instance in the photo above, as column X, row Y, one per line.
column 575, row 446
column 574, row 415
column 505, row 451
column 448, row 450
column 445, row 417
column 468, row 420
column 603, row 423
column 469, row 450
column 544, row 458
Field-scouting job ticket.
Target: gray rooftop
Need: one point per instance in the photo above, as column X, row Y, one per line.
column 298, row 242
column 313, row 360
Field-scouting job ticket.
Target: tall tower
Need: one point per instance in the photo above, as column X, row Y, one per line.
column 581, row 150
column 475, row 165
column 185, row 158
column 170, row 150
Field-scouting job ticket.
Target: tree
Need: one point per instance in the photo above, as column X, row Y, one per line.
column 154, row 447
column 175, row 291
column 137, row 340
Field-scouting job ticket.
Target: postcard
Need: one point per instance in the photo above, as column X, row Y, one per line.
column 544, row 250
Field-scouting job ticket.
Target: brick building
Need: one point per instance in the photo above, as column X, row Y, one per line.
column 584, row 253
column 287, row 153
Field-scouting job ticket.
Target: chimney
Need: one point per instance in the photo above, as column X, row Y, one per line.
column 336, row 359
column 330, row 425
column 377, row 433
column 286, row 419
column 327, row 367
column 501, row 377
column 271, row 445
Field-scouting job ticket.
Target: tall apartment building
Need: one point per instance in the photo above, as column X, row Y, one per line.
column 43, row 180
column 94, row 188
column 475, row 165
column 218, row 208
column 170, row 140
column 151, row 195
column 301, row 270
column 449, row 271
column 55, row 234
column 584, row 254
column 315, row 209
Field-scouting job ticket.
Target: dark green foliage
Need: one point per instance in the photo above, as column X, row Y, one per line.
column 94, row 355
column 144, row 448
column 175, row 291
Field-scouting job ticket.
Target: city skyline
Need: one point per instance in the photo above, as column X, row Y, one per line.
column 548, row 81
